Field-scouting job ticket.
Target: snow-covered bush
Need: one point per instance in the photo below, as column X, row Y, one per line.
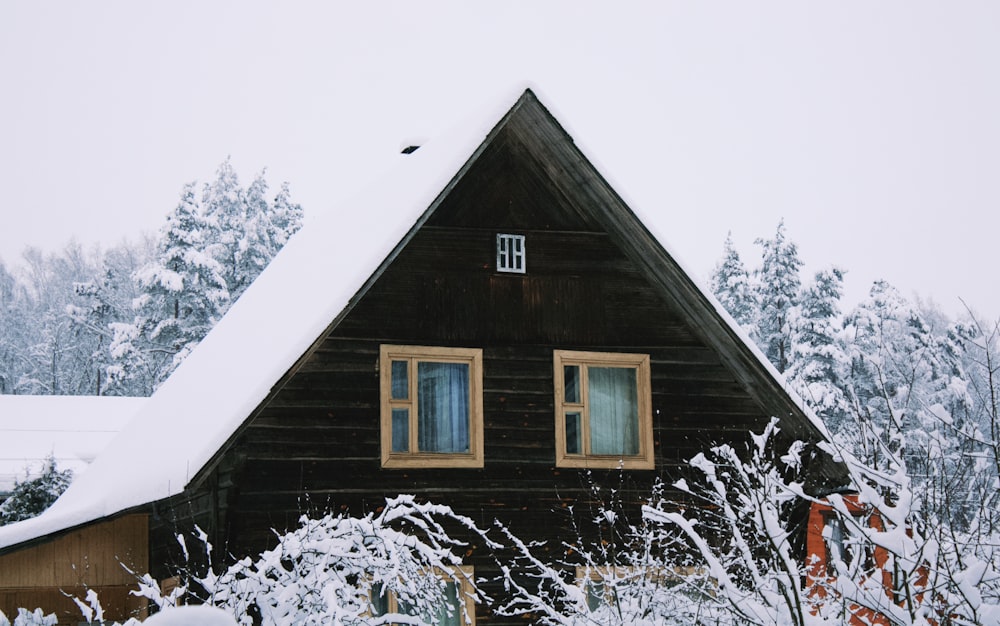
column 615, row 572
column 33, row 495
column 30, row 618
column 334, row 570
column 329, row 570
column 924, row 571
column 740, row 528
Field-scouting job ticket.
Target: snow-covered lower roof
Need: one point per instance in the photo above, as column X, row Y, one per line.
column 72, row 429
column 306, row 286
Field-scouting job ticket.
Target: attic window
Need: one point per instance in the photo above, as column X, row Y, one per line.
column 510, row 253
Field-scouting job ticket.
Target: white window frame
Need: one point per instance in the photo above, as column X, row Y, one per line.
column 511, row 253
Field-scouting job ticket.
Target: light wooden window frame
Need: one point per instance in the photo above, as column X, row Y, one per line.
column 593, row 580
column 462, row 575
column 644, row 459
column 414, row 458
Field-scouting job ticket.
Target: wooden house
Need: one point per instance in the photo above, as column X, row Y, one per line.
column 491, row 327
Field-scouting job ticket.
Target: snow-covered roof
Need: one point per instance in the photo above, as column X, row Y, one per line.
column 72, row 429
column 306, row 286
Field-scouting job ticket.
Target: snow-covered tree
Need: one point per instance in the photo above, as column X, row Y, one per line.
column 223, row 204
column 248, row 229
column 118, row 321
column 286, row 217
column 264, row 227
column 100, row 304
column 16, row 332
column 51, row 356
column 730, row 283
column 818, row 362
column 777, row 294
column 183, row 295
column 33, row 495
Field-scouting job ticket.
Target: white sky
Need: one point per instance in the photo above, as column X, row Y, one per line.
column 873, row 128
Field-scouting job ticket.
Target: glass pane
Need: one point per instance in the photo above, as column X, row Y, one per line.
column 571, row 383
column 613, row 400
column 380, row 600
column 595, row 594
column 401, row 430
column 574, row 438
column 400, row 381
column 450, row 613
column 443, row 407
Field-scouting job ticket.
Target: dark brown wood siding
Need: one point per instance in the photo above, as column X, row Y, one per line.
column 314, row 444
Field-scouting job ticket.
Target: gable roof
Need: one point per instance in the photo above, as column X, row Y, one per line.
column 72, row 429
column 203, row 404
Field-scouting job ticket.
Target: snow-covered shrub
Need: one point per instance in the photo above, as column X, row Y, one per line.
column 740, row 529
column 331, row 570
column 33, row 495
column 616, row 572
column 30, row 618
column 925, row 571
column 900, row 568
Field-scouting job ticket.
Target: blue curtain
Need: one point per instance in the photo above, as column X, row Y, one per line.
column 443, row 407
column 613, row 400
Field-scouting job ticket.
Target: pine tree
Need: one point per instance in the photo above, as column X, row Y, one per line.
column 731, row 285
column 287, row 215
column 32, row 496
column 907, row 390
column 816, row 371
column 184, row 294
column 777, row 294
column 247, row 230
column 224, row 206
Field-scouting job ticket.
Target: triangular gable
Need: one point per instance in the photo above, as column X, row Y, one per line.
column 202, row 406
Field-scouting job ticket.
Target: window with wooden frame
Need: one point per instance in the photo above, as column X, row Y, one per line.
column 604, row 416
column 431, row 406
column 458, row 608
column 603, row 584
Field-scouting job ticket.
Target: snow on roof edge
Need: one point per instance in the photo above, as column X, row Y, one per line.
column 695, row 279
column 234, row 368
column 204, row 397
column 649, row 224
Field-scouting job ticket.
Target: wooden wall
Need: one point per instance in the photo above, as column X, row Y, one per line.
column 91, row 557
column 313, row 445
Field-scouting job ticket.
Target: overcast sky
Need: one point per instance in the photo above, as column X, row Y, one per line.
column 872, row 128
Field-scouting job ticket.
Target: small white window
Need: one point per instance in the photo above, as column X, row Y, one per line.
column 510, row 253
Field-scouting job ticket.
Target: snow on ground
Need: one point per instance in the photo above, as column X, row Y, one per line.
column 200, row 615
column 73, row 429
